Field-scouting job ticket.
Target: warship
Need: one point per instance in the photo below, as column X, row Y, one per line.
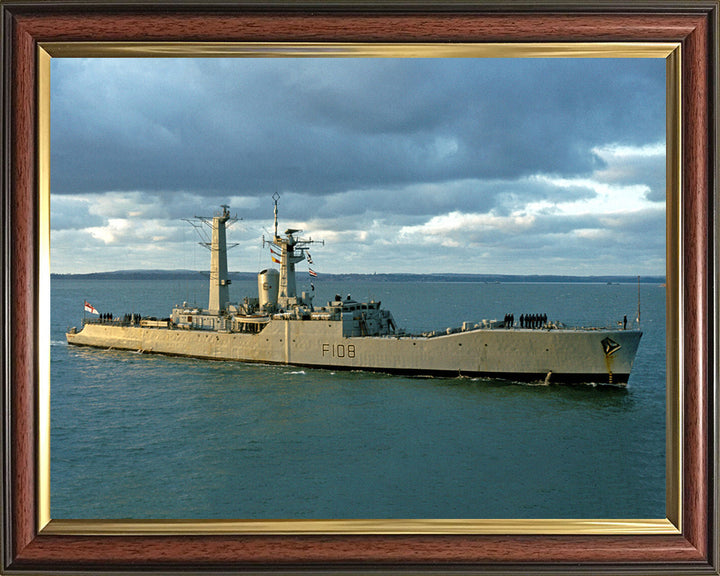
column 280, row 326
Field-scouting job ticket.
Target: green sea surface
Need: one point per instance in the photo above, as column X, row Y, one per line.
column 141, row 436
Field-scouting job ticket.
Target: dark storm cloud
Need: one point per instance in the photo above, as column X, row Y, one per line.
column 249, row 127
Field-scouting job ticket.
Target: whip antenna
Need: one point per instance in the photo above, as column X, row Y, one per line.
column 275, row 197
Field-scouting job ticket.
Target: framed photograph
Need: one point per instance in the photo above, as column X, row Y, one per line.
column 610, row 90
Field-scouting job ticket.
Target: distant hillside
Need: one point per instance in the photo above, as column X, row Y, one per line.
column 138, row 275
column 182, row 274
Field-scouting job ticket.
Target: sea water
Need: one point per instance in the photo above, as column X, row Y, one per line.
column 147, row 436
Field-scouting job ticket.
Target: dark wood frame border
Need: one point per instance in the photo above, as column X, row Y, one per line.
column 24, row 24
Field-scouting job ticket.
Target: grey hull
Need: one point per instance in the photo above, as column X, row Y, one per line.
column 557, row 355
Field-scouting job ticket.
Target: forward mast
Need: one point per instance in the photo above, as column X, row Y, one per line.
column 219, row 295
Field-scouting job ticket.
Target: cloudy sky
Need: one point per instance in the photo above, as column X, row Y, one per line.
column 521, row 166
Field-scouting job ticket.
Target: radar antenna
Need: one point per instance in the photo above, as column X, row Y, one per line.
column 197, row 223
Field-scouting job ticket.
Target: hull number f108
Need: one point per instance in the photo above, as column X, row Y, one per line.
column 338, row 350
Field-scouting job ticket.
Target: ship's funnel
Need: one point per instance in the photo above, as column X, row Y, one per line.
column 268, row 284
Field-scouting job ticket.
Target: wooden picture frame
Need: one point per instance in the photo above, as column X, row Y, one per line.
column 30, row 545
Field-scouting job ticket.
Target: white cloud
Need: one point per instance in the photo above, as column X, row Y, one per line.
column 608, row 199
column 456, row 228
column 620, row 151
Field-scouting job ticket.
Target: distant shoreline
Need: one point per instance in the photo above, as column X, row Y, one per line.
column 383, row 277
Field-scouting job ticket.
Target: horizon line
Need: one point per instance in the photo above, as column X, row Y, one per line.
column 140, row 271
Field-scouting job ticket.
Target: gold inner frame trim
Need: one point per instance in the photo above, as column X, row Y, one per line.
column 357, row 50
column 43, row 305
column 669, row 525
column 405, row 527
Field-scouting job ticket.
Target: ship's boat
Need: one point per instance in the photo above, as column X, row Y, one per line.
column 280, row 326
